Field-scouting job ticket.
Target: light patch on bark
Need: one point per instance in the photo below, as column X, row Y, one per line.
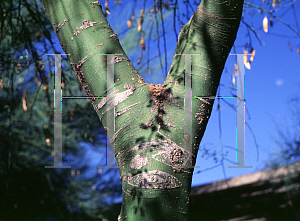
column 85, row 24
column 60, row 25
column 173, row 155
column 116, row 59
column 139, row 161
column 117, row 133
column 203, row 114
column 153, row 180
column 119, row 112
column 114, row 36
column 113, row 99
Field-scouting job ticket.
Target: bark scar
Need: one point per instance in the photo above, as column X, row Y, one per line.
column 159, row 96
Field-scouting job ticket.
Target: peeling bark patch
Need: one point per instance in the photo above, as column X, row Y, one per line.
column 78, row 71
column 117, row 133
column 118, row 113
column 174, row 156
column 96, row 2
column 115, row 98
column 114, row 36
column 60, row 25
column 203, row 113
column 166, row 152
column 140, row 147
column 139, row 161
column 116, row 59
column 87, row 91
column 62, row 45
column 153, row 180
column 159, row 96
column 85, row 24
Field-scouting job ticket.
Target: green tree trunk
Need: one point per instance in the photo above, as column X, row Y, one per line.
column 149, row 139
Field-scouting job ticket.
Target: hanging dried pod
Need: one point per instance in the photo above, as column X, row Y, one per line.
column 106, row 7
column 129, row 23
column 24, row 101
column 252, row 55
column 265, row 24
column 246, row 62
column 142, row 43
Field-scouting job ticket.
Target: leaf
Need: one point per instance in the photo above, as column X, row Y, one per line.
column 149, row 71
column 298, row 50
column 24, row 101
column 265, row 24
column 142, row 12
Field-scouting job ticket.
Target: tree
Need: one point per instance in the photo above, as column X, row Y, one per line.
column 149, row 139
column 287, row 156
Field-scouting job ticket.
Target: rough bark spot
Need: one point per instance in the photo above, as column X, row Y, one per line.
column 60, row 25
column 78, row 71
column 159, row 96
column 139, row 161
column 153, row 180
column 114, row 98
column 116, row 59
column 85, row 24
column 114, row 36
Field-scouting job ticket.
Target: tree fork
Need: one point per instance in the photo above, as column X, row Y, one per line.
column 155, row 168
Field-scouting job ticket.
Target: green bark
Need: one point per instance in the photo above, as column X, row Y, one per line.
column 149, row 140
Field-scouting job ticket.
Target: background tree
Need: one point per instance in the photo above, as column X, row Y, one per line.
column 26, row 107
column 287, row 155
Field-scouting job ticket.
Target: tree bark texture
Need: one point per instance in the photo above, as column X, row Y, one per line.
column 149, row 124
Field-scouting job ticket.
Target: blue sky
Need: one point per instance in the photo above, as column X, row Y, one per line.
column 271, row 82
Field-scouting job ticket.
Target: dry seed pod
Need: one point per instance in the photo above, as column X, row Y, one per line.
column 129, row 23
column 142, row 12
column 265, row 24
column 252, row 55
column 140, row 24
column 142, row 43
column 246, row 62
column 106, row 7
column 24, row 101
